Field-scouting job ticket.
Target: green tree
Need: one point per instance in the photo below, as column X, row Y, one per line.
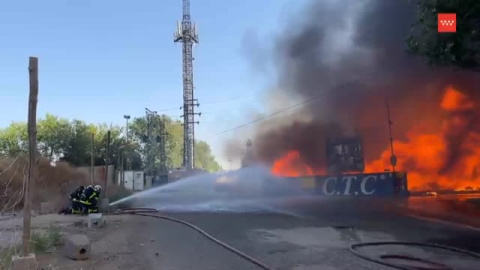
column 77, row 149
column 14, row 139
column 175, row 143
column 460, row 49
column 70, row 141
column 139, row 130
column 118, row 146
column 204, row 158
column 53, row 134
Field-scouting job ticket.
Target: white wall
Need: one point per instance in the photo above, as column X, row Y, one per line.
column 133, row 180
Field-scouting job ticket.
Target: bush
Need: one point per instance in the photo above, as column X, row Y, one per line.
column 47, row 241
column 41, row 242
column 53, row 184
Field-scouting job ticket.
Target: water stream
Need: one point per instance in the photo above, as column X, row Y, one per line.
column 235, row 191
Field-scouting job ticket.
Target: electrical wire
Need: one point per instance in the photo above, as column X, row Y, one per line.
column 206, row 103
column 313, row 98
column 170, row 109
column 226, row 100
column 150, row 212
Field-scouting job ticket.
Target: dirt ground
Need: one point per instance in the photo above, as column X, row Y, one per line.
column 134, row 242
column 284, row 242
column 108, row 244
column 130, row 242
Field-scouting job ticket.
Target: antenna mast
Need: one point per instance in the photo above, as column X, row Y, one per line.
column 188, row 35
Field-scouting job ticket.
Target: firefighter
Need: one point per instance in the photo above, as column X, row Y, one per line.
column 77, row 194
column 90, row 198
column 75, row 197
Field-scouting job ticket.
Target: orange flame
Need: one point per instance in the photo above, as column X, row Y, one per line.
column 292, row 165
column 421, row 155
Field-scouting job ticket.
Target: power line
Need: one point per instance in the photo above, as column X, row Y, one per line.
column 227, row 100
column 223, row 111
column 287, row 108
column 170, row 109
column 207, row 103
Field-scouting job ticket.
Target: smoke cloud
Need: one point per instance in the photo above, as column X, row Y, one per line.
column 353, row 53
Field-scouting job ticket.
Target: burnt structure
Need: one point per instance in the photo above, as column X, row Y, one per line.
column 345, row 155
column 248, row 158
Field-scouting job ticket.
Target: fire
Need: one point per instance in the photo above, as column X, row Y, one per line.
column 293, row 165
column 454, row 100
column 447, row 158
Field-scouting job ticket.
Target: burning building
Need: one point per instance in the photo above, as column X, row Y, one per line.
column 352, row 54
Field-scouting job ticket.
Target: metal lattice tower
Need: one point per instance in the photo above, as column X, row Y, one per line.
column 188, row 35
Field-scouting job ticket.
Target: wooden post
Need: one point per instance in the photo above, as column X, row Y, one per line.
column 32, row 148
column 106, row 164
column 92, row 168
column 120, row 165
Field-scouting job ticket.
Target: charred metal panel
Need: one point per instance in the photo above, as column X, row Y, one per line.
column 345, row 155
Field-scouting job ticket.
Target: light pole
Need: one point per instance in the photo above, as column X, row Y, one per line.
column 126, row 118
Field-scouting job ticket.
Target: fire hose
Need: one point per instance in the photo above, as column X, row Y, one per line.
column 149, row 212
column 429, row 265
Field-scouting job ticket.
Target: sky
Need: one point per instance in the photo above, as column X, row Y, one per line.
column 102, row 59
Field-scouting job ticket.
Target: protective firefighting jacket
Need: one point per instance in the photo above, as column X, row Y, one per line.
column 90, row 197
column 77, row 194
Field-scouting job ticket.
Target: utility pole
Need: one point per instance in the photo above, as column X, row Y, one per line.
column 126, row 118
column 188, row 35
column 117, row 176
column 393, row 158
column 122, row 173
column 149, row 150
column 107, row 152
column 161, row 139
column 92, row 164
column 32, row 148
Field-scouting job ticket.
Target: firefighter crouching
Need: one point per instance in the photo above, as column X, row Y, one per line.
column 90, row 198
column 77, row 194
column 84, row 200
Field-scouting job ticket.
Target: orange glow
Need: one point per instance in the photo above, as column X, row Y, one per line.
column 422, row 155
column 454, row 100
column 293, row 165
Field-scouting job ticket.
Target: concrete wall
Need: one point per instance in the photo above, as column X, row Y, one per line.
column 99, row 173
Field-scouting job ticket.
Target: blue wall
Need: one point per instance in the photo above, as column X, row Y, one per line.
column 371, row 184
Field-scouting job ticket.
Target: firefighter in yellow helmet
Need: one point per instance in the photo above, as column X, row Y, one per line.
column 90, row 197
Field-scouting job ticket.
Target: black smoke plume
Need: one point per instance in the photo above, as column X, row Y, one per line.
column 360, row 44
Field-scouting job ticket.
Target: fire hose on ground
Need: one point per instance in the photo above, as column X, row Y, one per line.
column 148, row 212
column 428, row 265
